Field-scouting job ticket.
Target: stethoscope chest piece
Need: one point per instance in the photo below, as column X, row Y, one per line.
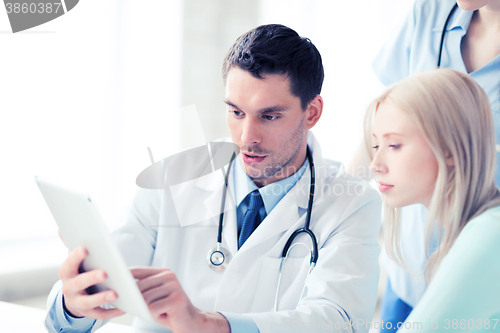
column 218, row 258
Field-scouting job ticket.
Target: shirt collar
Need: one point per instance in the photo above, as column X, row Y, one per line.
column 271, row 194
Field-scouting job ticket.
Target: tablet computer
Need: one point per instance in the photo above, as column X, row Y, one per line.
column 80, row 225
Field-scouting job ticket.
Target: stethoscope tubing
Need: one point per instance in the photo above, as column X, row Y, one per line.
column 306, row 229
column 223, row 202
column 443, row 33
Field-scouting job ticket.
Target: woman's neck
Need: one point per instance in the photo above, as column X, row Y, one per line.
column 488, row 16
column 482, row 42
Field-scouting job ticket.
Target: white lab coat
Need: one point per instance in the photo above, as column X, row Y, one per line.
column 342, row 288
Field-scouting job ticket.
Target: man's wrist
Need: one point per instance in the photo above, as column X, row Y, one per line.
column 216, row 322
column 67, row 311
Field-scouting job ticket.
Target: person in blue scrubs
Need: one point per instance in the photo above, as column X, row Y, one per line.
column 471, row 45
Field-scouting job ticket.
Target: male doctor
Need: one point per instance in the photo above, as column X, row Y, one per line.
column 273, row 79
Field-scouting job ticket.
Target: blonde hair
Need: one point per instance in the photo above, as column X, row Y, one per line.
column 453, row 113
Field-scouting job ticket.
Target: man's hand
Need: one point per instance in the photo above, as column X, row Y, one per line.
column 76, row 300
column 170, row 306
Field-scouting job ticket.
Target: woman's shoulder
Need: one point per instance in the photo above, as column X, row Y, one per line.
column 475, row 251
column 483, row 231
column 466, row 282
column 489, row 220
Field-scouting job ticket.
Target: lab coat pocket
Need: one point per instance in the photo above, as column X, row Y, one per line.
column 294, row 273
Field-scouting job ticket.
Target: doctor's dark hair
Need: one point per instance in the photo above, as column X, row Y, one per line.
column 276, row 49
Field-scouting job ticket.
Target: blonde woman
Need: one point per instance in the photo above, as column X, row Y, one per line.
column 459, row 34
column 432, row 142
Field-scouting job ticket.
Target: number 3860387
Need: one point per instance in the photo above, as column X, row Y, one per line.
column 32, row 8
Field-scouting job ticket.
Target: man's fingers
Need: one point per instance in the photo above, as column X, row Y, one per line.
column 87, row 302
column 160, row 307
column 150, row 282
column 144, row 272
column 155, row 294
column 103, row 314
column 82, row 281
column 70, row 267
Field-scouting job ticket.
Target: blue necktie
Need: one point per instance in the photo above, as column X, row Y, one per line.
column 251, row 219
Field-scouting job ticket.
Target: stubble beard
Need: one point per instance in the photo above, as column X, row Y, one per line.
column 281, row 168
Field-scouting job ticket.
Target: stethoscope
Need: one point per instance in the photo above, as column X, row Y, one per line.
column 218, row 258
column 443, row 33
